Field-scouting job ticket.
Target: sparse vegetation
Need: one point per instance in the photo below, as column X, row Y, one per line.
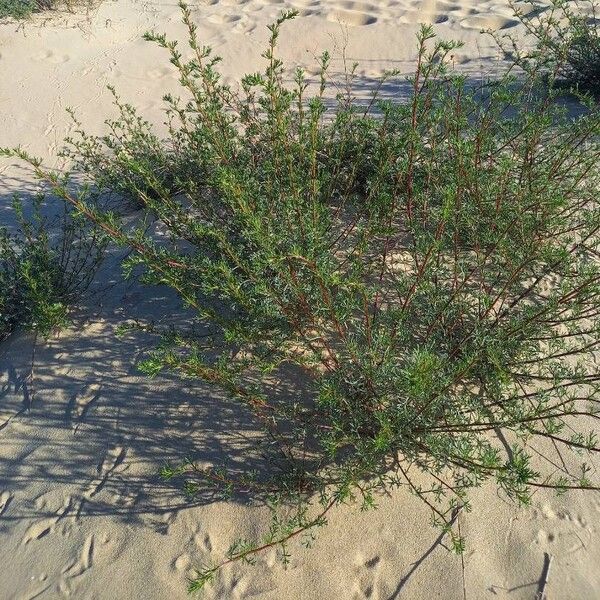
column 423, row 273
column 126, row 158
column 44, row 269
column 17, row 9
column 566, row 41
column 22, row 9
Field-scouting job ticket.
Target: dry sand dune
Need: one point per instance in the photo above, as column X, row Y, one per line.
column 469, row 14
column 82, row 511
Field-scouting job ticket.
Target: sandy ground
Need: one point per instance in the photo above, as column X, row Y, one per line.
column 82, row 511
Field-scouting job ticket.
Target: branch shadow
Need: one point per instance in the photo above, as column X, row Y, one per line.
column 415, row 566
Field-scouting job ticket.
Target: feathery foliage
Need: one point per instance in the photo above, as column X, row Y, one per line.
column 566, row 41
column 125, row 159
column 23, row 9
column 17, row 9
column 45, row 267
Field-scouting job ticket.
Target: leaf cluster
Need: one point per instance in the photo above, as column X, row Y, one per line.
column 45, row 267
column 565, row 40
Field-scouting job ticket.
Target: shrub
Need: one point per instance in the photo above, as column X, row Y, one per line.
column 41, row 277
column 17, row 9
column 129, row 159
column 22, row 9
column 422, row 271
column 566, row 40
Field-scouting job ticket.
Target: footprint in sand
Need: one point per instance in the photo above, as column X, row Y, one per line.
column 51, row 57
column 347, row 12
column 470, row 14
column 366, row 583
column 488, row 22
column 352, row 18
column 41, row 528
column 355, row 14
column 83, row 563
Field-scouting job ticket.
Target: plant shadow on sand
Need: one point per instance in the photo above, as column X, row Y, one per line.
column 76, row 413
column 86, row 409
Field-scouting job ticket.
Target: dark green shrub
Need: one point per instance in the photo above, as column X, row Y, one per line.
column 22, row 9
column 17, row 9
column 422, row 273
column 566, row 36
column 40, row 277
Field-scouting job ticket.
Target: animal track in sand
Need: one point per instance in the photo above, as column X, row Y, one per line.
column 187, row 562
column 41, row 528
column 78, row 567
column 562, row 515
column 159, row 523
column 125, row 498
column 366, row 579
column 84, row 562
column 49, row 56
column 569, row 532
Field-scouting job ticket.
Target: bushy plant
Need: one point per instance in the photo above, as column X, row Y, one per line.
column 17, row 9
column 566, row 41
column 423, row 271
column 44, row 268
column 129, row 159
column 23, row 9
